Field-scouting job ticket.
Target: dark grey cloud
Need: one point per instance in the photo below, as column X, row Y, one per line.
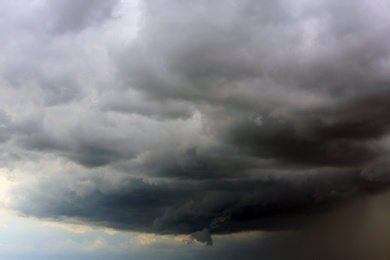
column 338, row 135
column 182, row 207
column 203, row 236
column 214, row 118
column 244, row 47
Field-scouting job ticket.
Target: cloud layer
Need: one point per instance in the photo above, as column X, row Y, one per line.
column 185, row 117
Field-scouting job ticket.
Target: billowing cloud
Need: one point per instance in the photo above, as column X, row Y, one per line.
column 202, row 236
column 185, row 117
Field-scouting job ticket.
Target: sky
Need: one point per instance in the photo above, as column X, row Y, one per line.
column 167, row 129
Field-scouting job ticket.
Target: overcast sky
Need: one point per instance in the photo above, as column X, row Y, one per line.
column 254, row 129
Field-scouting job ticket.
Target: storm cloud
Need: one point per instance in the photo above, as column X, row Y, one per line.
column 194, row 117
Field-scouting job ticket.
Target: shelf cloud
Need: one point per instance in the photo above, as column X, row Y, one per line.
column 195, row 117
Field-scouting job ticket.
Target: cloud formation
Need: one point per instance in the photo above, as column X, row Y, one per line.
column 185, row 117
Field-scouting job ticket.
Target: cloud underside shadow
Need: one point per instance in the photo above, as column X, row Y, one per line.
column 213, row 117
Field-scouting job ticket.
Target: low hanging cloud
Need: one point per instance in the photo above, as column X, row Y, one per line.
column 197, row 117
column 202, row 236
